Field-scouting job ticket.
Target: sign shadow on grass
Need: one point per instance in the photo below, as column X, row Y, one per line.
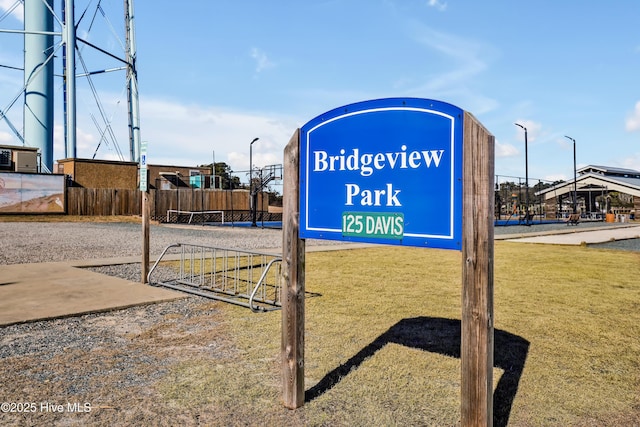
column 442, row 336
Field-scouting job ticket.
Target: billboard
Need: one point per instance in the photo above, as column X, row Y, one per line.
column 383, row 171
column 32, row 193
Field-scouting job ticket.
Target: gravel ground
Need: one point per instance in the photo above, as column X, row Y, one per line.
column 112, row 366
column 25, row 242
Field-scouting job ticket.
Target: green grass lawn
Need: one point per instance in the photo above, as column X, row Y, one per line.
column 382, row 342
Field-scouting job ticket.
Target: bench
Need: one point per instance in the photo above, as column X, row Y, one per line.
column 574, row 219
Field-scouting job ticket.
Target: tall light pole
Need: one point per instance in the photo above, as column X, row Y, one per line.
column 252, row 200
column 526, row 173
column 575, row 182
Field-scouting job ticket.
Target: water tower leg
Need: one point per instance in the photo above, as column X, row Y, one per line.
column 38, row 77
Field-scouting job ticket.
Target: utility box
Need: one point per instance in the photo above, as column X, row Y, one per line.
column 15, row 158
column 26, row 161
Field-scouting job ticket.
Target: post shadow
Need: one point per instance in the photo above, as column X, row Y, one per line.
column 442, row 336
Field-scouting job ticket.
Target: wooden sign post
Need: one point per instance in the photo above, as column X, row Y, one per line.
column 476, row 349
column 476, row 210
column 293, row 281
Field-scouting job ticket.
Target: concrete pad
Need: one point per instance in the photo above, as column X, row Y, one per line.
column 579, row 237
column 31, row 292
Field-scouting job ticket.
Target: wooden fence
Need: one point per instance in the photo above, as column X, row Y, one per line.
column 102, row 201
column 106, row 201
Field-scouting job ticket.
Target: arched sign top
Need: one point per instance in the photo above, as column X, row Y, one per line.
column 385, row 104
column 383, row 171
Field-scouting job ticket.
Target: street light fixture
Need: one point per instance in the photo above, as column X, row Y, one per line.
column 575, row 182
column 252, row 200
column 526, row 174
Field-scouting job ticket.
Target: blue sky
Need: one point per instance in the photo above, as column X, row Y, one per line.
column 213, row 75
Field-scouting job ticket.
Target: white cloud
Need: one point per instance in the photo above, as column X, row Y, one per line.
column 17, row 11
column 86, row 143
column 534, row 129
column 262, row 61
column 467, row 55
column 437, row 4
column 505, row 150
column 464, row 60
column 186, row 135
column 192, row 134
column 6, row 138
column 556, row 177
column 632, row 162
column 633, row 121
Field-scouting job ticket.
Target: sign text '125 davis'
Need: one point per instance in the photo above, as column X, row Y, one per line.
column 383, row 171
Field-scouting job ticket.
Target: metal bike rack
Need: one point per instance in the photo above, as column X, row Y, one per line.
column 246, row 278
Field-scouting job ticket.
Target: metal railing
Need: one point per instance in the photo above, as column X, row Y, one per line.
column 247, row 278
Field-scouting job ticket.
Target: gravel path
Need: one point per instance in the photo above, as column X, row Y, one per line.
column 25, row 242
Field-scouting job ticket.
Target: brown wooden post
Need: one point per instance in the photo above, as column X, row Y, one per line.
column 292, row 345
column 476, row 350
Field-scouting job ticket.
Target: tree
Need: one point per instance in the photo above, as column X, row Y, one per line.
column 620, row 200
column 539, row 186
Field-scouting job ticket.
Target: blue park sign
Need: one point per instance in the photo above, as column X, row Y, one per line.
column 383, row 171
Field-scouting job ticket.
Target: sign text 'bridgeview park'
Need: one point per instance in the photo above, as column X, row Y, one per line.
column 383, row 171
